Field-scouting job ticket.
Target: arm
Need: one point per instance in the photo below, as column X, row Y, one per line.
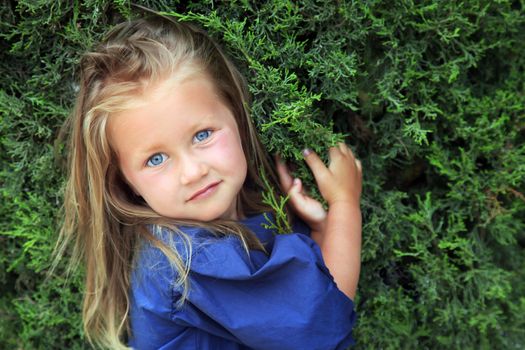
column 339, row 232
column 341, row 246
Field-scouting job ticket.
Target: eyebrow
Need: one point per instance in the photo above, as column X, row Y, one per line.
column 151, row 150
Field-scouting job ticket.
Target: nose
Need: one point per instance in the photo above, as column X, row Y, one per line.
column 192, row 169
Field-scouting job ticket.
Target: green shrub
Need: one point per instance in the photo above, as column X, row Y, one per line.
column 430, row 94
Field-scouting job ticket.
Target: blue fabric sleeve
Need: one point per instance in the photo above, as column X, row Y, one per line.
column 284, row 300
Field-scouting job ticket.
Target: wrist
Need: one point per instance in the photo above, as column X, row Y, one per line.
column 350, row 205
column 343, row 217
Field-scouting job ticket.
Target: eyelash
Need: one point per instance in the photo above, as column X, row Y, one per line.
column 209, row 131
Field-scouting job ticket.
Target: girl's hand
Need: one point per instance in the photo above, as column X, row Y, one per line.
column 307, row 208
column 340, row 184
column 341, row 181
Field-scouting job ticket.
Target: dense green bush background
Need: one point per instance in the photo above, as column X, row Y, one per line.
column 430, row 94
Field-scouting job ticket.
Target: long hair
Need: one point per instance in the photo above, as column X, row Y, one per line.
column 103, row 218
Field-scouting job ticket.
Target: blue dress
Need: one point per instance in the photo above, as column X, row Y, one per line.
column 282, row 300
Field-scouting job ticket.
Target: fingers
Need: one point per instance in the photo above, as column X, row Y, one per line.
column 315, row 163
column 334, row 152
column 344, row 148
column 342, row 161
column 296, row 195
column 351, row 154
column 346, row 151
column 310, row 210
column 359, row 166
column 285, row 178
column 289, row 185
column 296, row 190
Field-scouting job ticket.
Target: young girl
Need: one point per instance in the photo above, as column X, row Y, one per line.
column 164, row 206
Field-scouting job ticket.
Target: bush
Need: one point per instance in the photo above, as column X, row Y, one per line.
column 431, row 96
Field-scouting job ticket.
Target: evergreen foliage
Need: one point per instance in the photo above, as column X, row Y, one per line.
column 430, row 94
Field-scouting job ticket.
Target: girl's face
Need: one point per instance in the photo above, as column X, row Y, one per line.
column 181, row 151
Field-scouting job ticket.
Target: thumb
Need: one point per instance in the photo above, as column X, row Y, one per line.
column 295, row 193
column 308, row 209
column 296, row 188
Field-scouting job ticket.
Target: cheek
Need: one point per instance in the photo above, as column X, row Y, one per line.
column 228, row 151
column 146, row 185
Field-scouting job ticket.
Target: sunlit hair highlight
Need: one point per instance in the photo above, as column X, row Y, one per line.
column 103, row 218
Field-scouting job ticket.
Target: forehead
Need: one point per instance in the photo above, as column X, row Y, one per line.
column 165, row 111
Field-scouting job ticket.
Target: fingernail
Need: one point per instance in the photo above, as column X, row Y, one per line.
column 296, row 181
column 306, row 151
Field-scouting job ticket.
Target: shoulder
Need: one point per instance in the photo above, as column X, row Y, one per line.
column 220, row 256
column 159, row 261
column 155, row 276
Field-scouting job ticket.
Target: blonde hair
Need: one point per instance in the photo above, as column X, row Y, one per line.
column 103, row 217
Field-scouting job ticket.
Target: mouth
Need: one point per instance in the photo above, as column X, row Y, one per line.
column 204, row 191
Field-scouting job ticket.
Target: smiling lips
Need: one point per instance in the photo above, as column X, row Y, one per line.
column 205, row 191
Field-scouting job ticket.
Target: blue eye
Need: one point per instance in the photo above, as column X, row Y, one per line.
column 202, row 135
column 156, row 159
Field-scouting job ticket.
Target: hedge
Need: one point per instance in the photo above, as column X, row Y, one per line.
column 429, row 94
